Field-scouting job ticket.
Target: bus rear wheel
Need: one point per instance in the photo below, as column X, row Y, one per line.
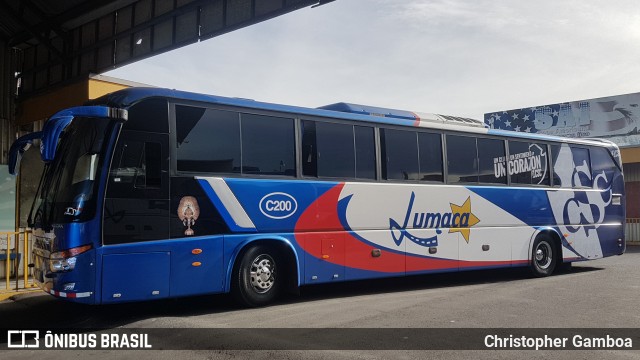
column 543, row 257
column 257, row 281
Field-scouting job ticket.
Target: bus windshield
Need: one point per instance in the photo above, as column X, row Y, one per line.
column 69, row 183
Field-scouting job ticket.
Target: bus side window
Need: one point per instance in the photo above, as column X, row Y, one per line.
column 582, row 172
column 137, row 198
column 268, row 145
column 528, row 164
column 140, row 114
column 365, row 152
column 149, row 173
column 430, row 151
column 491, row 161
column 571, row 166
column 309, row 149
column 127, row 166
column 399, row 155
column 558, row 164
column 462, row 159
column 336, row 153
column 602, row 165
column 139, row 164
column 207, row 140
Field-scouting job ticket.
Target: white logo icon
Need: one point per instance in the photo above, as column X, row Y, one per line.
column 22, row 341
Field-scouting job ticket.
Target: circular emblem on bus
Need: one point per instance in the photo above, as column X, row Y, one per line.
column 278, row 205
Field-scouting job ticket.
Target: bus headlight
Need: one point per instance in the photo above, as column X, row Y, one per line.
column 66, row 260
column 59, row 265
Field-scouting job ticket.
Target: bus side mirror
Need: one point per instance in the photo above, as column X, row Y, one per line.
column 18, row 148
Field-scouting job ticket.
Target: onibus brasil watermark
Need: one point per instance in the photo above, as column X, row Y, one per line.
column 31, row 339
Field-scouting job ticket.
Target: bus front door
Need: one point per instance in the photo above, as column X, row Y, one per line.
column 136, row 256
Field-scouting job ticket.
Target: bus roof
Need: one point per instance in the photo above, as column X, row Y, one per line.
column 345, row 111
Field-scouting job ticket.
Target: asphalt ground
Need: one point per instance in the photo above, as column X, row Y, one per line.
column 601, row 294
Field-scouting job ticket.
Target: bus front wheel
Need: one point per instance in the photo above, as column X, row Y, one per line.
column 543, row 257
column 257, row 281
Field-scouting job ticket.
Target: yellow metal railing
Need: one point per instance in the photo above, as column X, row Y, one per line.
column 13, row 255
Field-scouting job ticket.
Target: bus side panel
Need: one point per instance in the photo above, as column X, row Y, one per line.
column 391, row 229
column 324, row 256
column 438, row 227
column 365, row 259
column 281, row 206
column 588, row 220
column 491, row 247
column 135, row 276
column 197, row 266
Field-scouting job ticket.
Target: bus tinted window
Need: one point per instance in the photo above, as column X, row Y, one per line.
column 336, row 156
column 603, row 167
column 149, row 115
column 267, row 145
column 399, row 155
column 528, row 163
column 128, row 166
column 365, row 152
column 562, row 165
column 150, row 177
column 338, row 150
column 430, row 157
column 491, row 161
column 207, row 140
column 582, row 173
column 571, row 166
column 462, row 159
column 309, row 149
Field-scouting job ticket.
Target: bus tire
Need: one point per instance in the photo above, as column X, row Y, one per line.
column 257, row 281
column 543, row 256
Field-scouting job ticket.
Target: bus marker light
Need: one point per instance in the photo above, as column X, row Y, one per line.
column 196, row 251
column 433, row 250
column 325, row 256
column 196, row 263
column 71, row 252
column 376, row 253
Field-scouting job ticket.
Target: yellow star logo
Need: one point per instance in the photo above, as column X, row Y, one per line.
column 464, row 210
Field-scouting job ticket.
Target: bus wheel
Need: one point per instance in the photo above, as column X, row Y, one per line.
column 256, row 280
column 543, row 258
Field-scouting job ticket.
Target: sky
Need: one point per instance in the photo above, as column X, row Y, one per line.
column 453, row 57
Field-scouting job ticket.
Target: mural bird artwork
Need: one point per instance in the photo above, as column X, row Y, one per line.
column 188, row 212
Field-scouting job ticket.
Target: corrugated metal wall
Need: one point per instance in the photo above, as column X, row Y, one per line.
column 7, row 91
column 97, row 42
column 632, row 184
column 631, row 172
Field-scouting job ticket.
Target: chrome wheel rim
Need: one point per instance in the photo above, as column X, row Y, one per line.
column 262, row 273
column 543, row 255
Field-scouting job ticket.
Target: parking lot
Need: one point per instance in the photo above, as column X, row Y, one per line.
column 597, row 294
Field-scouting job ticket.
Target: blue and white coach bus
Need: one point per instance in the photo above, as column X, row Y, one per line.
column 154, row 193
